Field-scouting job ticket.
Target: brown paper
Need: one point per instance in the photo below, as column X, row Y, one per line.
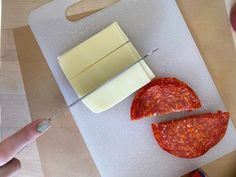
column 62, row 150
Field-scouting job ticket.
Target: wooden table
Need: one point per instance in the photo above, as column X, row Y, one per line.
column 14, row 108
column 208, row 23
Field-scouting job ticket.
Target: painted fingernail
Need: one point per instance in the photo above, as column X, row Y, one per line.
column 43, row 126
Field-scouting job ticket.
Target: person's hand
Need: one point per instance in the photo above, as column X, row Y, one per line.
column 15, row 143
column 233, row 17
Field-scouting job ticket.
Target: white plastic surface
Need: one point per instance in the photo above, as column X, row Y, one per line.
column 119, row 147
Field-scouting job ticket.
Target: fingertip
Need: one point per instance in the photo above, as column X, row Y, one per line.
column 16, row 142
column 16, row 163
column 35, row 129
column 43, row 125
column 11, row 168
column 233, row 17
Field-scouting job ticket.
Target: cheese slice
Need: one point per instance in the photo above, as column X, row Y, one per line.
column 99, row 59
column 105, row 69
column 119, row 88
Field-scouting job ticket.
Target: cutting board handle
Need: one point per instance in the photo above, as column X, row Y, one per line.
column 63, row 5
column 59, row 7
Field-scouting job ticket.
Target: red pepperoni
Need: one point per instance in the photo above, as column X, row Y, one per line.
column 191, row 136
column 163, row 96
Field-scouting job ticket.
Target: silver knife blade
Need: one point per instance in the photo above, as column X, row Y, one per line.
column 64, row 109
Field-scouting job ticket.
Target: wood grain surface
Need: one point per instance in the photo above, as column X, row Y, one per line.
column 14, row 106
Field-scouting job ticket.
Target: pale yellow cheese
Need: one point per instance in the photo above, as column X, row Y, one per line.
column 90, row 64
column 119, row 88
column 90, row 51
column 105, row 69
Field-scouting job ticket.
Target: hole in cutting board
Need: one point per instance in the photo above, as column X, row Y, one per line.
column 85, row 8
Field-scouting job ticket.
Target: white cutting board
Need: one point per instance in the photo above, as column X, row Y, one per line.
column 119, row 147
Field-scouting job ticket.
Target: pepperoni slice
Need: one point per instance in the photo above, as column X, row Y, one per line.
column 191, row 136
column 163, row 96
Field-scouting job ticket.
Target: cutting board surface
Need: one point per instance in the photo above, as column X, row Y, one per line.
column 119, row 147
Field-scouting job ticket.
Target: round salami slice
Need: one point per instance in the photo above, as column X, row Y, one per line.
column 191, row 136
column 162, row 96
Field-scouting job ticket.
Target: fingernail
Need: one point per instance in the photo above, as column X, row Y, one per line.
column 43, row 126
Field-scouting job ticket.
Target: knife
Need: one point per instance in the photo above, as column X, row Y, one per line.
column 64, row 109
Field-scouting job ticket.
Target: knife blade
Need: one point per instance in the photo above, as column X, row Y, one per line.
column 64, row 109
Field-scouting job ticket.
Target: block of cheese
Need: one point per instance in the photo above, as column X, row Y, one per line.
column 100, row 58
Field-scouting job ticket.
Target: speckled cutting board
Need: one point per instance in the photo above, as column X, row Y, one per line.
column 119, row 147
